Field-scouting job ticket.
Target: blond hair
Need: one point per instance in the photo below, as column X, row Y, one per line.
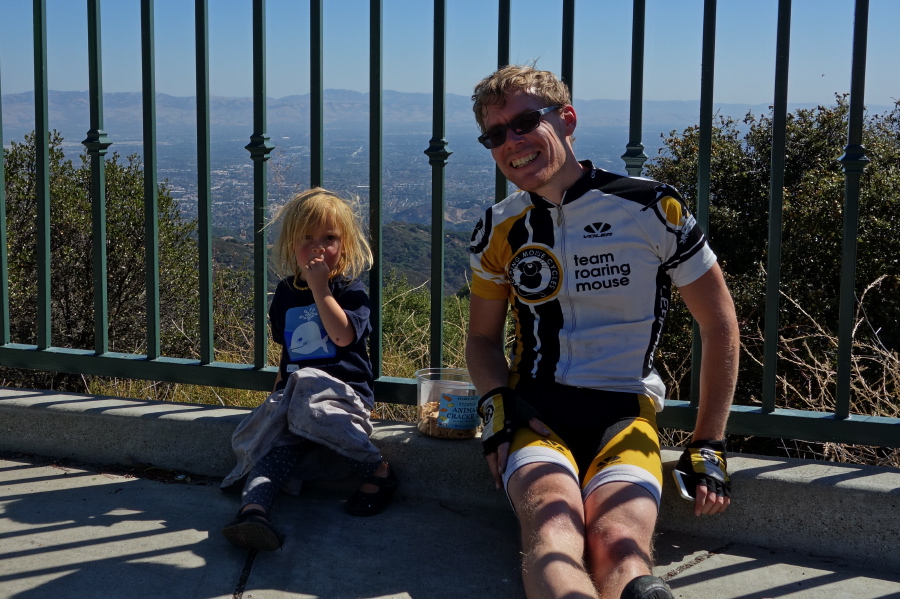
column 306, row 212
column 494, row 89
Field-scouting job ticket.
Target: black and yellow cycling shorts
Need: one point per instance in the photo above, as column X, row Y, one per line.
column 598, row 436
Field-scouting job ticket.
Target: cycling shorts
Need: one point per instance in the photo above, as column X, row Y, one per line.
column 598, row 436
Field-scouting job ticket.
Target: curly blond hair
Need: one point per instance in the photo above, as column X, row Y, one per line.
column 306, row 212
column 496, row 87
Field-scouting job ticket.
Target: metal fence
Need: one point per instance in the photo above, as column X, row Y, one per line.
column 765, row 420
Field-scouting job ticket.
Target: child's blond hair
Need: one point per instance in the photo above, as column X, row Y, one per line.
column 306, row 212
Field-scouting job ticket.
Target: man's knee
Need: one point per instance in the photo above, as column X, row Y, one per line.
column 550, row 509
column 552, row 529
column 547, row 500
column 621, row 519
column 617, row 542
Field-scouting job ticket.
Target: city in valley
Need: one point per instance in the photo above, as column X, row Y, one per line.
column 407, row 177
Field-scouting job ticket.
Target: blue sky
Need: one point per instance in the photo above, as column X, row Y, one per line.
column 820, row 52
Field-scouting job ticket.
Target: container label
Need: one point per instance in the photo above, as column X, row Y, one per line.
column 458, row 411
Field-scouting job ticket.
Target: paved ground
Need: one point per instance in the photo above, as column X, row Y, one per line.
column 73, row 531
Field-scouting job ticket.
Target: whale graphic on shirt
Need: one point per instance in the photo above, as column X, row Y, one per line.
column 308, row 338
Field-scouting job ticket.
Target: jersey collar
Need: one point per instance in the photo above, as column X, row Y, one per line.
column 583, row 185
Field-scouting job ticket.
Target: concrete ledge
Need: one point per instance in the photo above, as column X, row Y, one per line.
column 196, row 439
column 823, row 508
column 826, row 509
column 107, row 430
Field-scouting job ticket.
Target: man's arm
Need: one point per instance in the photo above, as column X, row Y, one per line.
column 486, row 362
column 711, row 305
column 485, row 357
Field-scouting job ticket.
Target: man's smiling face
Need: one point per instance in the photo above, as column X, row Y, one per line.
column 538, row 161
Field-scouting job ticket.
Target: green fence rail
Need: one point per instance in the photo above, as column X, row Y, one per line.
column 765, row 420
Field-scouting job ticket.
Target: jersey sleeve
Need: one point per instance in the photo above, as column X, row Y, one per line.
column 686, row 254
column 486, row 257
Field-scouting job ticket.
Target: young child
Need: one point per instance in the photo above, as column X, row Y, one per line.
column 324, row 387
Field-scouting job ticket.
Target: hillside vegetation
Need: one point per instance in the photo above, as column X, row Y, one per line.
column 406, row 253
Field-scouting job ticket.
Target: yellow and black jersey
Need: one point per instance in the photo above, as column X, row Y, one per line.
column 589, row 280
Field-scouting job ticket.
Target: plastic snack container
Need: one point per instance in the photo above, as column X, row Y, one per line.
column 447, row 403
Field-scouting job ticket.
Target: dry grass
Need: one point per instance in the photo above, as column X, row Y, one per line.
column 406, row 317
column 179, row 392
column 234, row 344
column 407, row 334
column 807, row 377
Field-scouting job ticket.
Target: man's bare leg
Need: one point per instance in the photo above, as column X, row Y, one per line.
column 620, row 518
column 551, row 518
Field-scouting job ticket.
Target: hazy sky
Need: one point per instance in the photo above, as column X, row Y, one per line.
column 745, row 52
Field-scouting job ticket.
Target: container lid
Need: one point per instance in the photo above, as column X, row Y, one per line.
column 455, row 375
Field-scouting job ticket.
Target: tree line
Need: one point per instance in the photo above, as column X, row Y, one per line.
column 812, row 236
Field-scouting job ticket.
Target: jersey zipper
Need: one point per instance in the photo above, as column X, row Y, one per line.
column 561, row 233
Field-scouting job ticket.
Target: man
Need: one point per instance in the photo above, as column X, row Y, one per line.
column 586, row 259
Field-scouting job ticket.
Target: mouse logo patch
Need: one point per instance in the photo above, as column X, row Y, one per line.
column 534, row 274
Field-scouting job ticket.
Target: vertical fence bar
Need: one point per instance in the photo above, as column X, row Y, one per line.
column 204, row 200
column 504, row 18
column 634, row 156
column 42, row 173
column 776, row 202
column 438, row 153
column 259, row 148
column 151, row 184
column 568, row 45
column 707, row 72
column 854, row 162
column 316, row 95
column 4, row 262
column 376, row 275
column 97, row 144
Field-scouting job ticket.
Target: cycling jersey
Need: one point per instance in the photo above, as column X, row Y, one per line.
column 589, row 280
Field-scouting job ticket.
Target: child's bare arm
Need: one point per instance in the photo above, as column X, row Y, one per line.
column 334, row 319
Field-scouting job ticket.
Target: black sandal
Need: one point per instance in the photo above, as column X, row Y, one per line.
column 369, row 504
column 251, row 529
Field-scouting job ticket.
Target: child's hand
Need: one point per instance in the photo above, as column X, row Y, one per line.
column 316, row 272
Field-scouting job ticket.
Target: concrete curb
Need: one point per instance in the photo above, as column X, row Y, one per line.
column 838, row 510
column 196, row 439
column 823, row 508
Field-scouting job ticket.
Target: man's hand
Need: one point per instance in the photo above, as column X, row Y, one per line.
column 502, row 412
column 704, row 468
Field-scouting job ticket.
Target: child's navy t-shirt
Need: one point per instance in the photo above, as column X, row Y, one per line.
column 297, row 327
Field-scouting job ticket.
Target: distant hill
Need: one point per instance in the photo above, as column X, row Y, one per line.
column 406, row 252
column 176, row 116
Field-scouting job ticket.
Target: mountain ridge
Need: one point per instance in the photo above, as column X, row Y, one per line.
column 69, row 112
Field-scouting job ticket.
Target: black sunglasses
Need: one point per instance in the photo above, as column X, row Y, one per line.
column 520, row 125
